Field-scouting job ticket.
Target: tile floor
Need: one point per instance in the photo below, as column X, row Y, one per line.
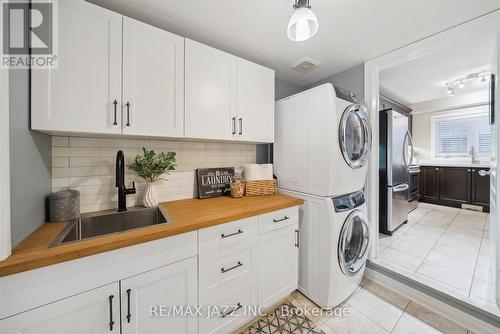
column 447, row 249
column 373, row 309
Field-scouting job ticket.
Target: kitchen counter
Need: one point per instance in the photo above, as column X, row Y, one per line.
column 183, row 216
column 441, row 163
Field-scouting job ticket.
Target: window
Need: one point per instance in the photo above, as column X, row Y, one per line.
column 455, row 135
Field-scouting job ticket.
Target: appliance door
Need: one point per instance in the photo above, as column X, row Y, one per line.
column 397, row 148
column 355, row 136
column 353, row 243
column 397, row 202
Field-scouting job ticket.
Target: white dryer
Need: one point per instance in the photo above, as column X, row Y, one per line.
column 334, row 239
column 322, row 142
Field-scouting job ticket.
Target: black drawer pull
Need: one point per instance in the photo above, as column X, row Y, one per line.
column 238, row 306
column 280, row 220
column 223, row 270
column 128, row 113
column 128, row 306
column 230, row 235
column 297, row 238
column 111, row 322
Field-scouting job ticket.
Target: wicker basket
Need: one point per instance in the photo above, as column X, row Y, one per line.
column 261, row 187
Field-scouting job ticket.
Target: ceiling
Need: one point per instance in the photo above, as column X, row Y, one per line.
column 350, row 32
column 424, row 79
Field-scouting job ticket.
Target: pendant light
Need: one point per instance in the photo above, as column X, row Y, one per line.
column 303, row 23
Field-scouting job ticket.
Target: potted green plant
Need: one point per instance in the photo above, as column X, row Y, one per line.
column 152, row 167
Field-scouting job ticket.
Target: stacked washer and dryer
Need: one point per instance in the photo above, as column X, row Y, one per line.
column 321, row 150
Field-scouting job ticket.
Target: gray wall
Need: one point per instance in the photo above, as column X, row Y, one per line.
column 352, row 79
column 30, row 162
column 282, row 89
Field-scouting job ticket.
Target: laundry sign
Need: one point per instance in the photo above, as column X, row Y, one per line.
column 214, row 182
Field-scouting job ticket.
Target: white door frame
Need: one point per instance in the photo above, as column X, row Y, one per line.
column 488, row 23
column 5, row 235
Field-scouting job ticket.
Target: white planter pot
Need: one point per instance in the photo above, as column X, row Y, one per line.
column 151, row 198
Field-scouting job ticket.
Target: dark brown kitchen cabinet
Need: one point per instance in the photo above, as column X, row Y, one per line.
column 454, row 186
column 481, row 188
column 429, row 184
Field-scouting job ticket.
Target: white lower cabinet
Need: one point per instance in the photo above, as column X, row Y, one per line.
column 148, row 300
column 278, row 256
column 92, row 312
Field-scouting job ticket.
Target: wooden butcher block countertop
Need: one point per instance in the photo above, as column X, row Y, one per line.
column 183, row 216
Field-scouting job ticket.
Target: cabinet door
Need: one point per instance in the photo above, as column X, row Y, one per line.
column 429, row 184
column 454, row 185
column 92, row 312
column 147, row 299
column 79, row 95
column 255, row 106
column 153, row 81
column 480, row 189
column 278, row 264
column 210, row 93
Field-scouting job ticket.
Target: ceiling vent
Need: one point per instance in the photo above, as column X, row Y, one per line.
column 305, row 65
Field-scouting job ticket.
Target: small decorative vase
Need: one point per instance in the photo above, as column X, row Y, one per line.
column 151, row 198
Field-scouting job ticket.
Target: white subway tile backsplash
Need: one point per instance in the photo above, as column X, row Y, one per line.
column 88, row 165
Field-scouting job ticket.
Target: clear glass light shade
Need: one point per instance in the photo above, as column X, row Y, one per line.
column 303, row 25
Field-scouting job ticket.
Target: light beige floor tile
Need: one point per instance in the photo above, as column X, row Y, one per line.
column 426, row 231
column 484, row 273
column 461, row 266
column 400, row 259
column 354, row 323
column 326, row 329
column 448, row 270
column 436, row 221
column 435, row 320
column 409, row 324
column 414, row 245
column 465, row 237
column 393, row 267
column 464, row 212
column 483, row 290
column 383, row 313
column 457, row 250
column 385, row 240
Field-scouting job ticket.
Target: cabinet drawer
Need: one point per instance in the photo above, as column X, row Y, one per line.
column 227, row 238
column 278, row 219
column 224, row 313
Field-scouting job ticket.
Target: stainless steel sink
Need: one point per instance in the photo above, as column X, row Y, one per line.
column 107, row 222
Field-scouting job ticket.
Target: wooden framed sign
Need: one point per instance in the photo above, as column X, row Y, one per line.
column 214, row 182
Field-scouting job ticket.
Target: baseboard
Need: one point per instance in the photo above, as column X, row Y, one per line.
column 470, row 319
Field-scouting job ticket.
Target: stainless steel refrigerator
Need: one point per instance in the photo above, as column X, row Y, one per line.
column 396, row 151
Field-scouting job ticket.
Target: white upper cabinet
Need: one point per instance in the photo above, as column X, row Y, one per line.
column 153, row 81
column 227, row 98
column 93, row 312
column 255, row 107
column 78, row 96
column 210, row 100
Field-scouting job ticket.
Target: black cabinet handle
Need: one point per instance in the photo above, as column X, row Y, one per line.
column 238, row 306
column 128, row 113
column 111, row 322
column 280, row 220
column 241, row 126
column 234, row 125
column 297, row 238
column 223, row 270
column 230, row 235
column 128, row 306
column 116, row 104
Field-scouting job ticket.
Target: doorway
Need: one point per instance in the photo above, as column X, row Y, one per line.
column 449, row 241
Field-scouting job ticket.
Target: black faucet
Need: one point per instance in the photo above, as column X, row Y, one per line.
column 120, row 182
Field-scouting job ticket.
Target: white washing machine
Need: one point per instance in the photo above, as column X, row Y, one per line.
column 334, row 239
column 322, row 142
